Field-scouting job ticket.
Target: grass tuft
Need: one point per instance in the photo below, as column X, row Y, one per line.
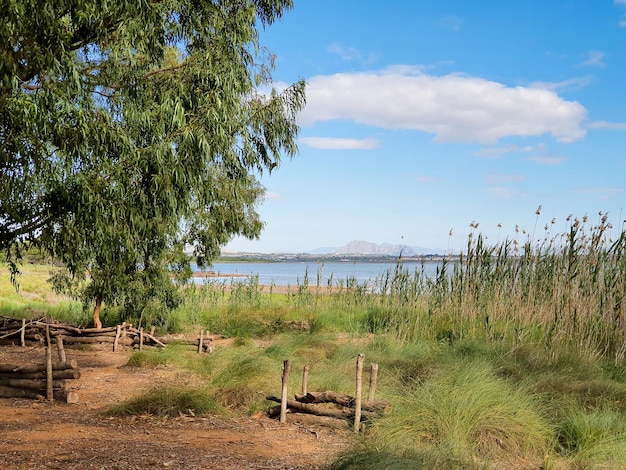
column 169, row 401
column 468, row 411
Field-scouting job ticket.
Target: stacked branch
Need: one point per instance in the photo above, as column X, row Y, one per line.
column 342, row 407
column 22, row 332
column 31, row 381
column 329, row 408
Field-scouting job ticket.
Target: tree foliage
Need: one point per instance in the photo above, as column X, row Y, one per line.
column 129, row 130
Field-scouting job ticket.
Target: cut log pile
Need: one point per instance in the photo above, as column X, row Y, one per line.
column 330, row 409
column 31, row 381
column 22, row 332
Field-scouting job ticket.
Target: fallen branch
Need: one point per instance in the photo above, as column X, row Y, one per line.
column 321, row 410
column 342, row 400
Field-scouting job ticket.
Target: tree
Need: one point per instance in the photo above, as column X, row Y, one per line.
column 131, row 129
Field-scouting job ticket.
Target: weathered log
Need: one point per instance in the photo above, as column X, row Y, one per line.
column 321, row 410
column 61, row 348
column 34, row 384
column 16, row 341
column 56, row 375
column 326, row 397
column 49, row 379
column 16, row 330
column 67, row 396
column 342, row 400
column 283, row 397
column 95, row 340
column 310, row 420
column 148, row 340
column 27, row 337
column 75, row 329
column 71, row 364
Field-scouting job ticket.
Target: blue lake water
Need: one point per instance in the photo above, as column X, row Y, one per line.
column 293, row 273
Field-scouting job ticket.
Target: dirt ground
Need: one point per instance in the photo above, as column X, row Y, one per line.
column 36, row 434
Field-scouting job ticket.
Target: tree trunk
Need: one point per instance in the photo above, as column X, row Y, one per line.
column 96, row 312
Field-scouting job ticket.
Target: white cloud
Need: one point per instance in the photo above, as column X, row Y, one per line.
column 330, row 143
column 594, row 59
column 616, row 126
column 350, row 54
column 570, row 84
column 622, row 23
column 270, row 196
column 498, row 152
column 544, row 160
column 452, row 107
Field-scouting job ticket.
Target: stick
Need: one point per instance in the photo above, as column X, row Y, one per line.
column 140, row 338
column 201, row 342
column 60, row 348
column 373, row 382
column 359, row 386
column 117, row 337
column 49, row 380
column 23, row 331
column 305, row 379
column 283, row 397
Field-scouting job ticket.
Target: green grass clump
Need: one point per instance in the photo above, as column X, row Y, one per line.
column 169, row 401
column 369, row 459
column 595, row 439
column 466, row 410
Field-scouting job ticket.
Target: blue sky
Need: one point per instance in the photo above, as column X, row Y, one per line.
column 425, row 116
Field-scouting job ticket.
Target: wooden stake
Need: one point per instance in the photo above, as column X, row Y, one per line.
column 200, row 343
column 23, row 331
column 283, row 396
column 60, row 348
column 305, row 379
column 140, row 338
column 373, row 382
column 49, row 380
column 359, row 386
column 117, row 337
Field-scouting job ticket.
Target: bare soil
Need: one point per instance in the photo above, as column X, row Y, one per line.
column 36, row 434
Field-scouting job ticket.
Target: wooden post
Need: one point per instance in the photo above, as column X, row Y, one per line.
column 359, row 386
column 61, row 349
column 201, row 341
column 49, row 378
column 373, row 382
column 23, row 332
column 305, row 380
column 117, row 337
column 283, row 396
column 140, row 338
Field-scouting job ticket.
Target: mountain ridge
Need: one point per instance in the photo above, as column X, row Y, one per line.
column 362, row 247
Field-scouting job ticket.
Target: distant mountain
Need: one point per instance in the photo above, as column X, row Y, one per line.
column 368, row 248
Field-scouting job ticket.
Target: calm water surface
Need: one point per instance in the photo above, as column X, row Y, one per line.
column 293, row 273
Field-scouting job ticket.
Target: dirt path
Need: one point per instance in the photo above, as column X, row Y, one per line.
column 37, row 434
